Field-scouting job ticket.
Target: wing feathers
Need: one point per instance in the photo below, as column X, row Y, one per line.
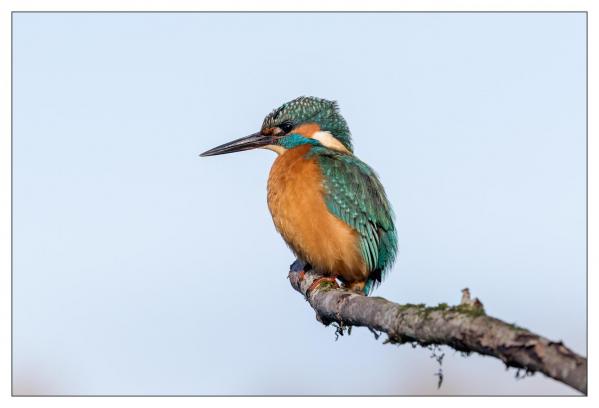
column 355, row 195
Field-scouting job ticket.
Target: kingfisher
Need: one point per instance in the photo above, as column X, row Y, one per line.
column 328, row 205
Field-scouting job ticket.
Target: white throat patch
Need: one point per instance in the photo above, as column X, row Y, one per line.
column 328, row 140
column 276, row 148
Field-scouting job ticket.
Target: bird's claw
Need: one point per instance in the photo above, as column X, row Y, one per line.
column 318, row 281
column 300, row 266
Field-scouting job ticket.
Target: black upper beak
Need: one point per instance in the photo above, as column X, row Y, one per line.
column 245, row 143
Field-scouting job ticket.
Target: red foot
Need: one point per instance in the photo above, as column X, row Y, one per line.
column 319, row 280
column 302, row 275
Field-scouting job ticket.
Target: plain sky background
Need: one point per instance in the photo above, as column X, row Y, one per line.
column 140, row 268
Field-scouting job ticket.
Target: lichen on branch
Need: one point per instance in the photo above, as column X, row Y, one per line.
column 465, row 327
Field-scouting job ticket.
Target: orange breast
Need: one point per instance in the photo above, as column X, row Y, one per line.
column 296, row 202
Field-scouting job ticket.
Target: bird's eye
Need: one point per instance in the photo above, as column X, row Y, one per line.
column 286, row 127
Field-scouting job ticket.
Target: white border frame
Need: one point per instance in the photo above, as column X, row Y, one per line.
column 6, row 7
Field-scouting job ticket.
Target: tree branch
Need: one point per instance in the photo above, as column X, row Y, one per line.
column 465, row 328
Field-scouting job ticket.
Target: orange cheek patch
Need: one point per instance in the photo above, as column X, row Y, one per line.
column 307, row 130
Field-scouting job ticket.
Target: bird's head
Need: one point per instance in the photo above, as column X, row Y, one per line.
column 304, row 120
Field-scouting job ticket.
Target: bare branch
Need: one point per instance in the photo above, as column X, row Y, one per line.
column 465, row 328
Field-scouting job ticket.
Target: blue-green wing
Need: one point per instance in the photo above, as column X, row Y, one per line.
column 356, row 196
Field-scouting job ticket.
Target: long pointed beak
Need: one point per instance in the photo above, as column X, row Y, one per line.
column 245, row 143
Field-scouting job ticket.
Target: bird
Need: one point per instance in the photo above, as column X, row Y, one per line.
column 329, row 206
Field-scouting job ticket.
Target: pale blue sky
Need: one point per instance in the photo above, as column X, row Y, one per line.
column 140, row 268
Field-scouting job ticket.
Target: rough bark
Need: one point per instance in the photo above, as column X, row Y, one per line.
column 464, row 327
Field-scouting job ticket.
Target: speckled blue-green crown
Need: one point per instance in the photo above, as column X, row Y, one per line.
column 309, row 109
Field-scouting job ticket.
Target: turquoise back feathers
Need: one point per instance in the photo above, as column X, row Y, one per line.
column 355, row 195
